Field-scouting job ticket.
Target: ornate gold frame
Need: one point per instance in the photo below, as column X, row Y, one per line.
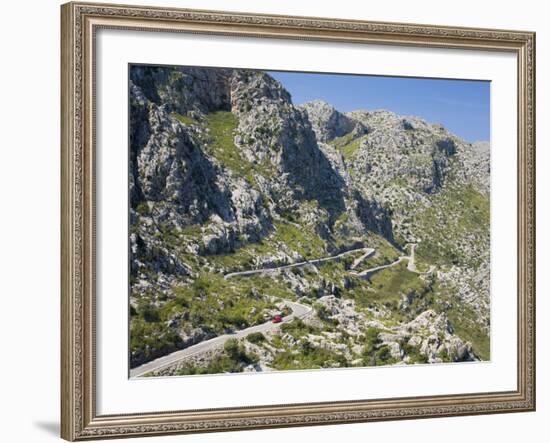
column 79, row 22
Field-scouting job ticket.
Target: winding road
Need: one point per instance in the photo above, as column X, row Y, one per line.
column 411, row 265
column 298, row 311
column 368, row 272
column 368, row 252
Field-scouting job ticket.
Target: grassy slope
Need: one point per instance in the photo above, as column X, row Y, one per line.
column 347, row 145
column 459, row 214
column 222, row 126
column 390, row 283
column 183, row 119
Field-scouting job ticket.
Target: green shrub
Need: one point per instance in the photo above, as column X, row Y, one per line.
column 308, row 357
column 414, row 354
column 370, row 340
column 150, row 340
column 256, row 338
column 383, row 354
column 142, row 208
column 324, row 315
column 444, row 355
column 297, row 328
column 233, row 359
column 231, row 347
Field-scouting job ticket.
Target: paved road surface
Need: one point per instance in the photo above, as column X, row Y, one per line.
column 368, row 272
column 358, row 261
column 295, row 265
column 411, row 266
column 298, row 311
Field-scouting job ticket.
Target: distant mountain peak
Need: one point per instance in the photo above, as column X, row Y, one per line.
column 327, row 122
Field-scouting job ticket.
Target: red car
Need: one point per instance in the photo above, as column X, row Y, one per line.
column 277, row 319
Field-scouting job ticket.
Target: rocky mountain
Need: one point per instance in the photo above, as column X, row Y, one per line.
column 228, row 175
column 328, row 123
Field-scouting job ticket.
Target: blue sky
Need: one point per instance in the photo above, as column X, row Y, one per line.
column 462, row 106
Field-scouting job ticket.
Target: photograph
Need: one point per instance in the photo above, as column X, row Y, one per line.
column 283, row 221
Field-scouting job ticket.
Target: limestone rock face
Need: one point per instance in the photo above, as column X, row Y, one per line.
column 183, row 90
column 478, row 166
column 328, row 123
column 432, row 333
column 274, row 132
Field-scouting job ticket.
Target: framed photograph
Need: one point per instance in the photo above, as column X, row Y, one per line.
column 283, row 221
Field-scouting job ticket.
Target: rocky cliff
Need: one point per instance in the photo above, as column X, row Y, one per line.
column 227, row 174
